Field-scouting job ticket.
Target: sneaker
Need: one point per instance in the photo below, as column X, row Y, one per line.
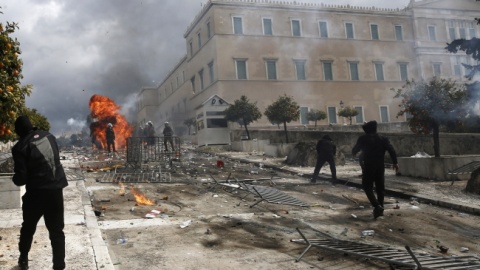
column 23, row 263
column 377, row 212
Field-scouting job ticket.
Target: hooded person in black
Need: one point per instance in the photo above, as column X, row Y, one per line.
column 373, row 147
column 37, row 166
column 326, row 151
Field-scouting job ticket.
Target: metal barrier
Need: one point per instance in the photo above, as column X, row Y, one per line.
column 152, row 149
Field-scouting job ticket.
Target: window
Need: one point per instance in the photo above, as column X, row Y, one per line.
column 379, row 72
column 210, row 71
column 241, row 66
column 471, row 30
column 267, row 27
column 461, row 30
column 437, row 69
column 200, row 76
column 431, row 33
column 183, row 76
column 323, row 29
column 191, row 47
column 332, row 115
column 177, row 82
column 398, row 32
column 374, row 31
column 209, row 30
column 303, row 115
column 199, row 40
column 457, row 70
column 349, row 30
column 271, row 69
column 192, row 81
column 353, row 66
column 296, row 28
column 359, row 116
column 403, row 71
column 327, row 71
column 237, row 26
column 451, row 30
column 217, row 123
column 300, row 69
column 384, row 114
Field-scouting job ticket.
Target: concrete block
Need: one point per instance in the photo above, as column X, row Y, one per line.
column 10, row 194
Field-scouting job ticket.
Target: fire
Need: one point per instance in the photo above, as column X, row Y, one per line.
column 122, row 189
column 140, row 198
column 103, row 111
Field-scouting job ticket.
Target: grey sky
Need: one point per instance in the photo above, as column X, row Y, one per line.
column 74, row 49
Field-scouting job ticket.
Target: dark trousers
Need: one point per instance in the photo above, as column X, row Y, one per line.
column 168, row 140
column 374, row 174
column 49, row 204
column 320, row 162
column 110, row 143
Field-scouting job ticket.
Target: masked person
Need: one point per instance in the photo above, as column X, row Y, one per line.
column 168, row 137
column 326, row 151
column 37, row 166
column 110, row 134
column 373, row 147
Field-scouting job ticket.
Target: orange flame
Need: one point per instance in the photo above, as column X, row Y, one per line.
column 122, row 189
column 104, row 110
column 140, row 198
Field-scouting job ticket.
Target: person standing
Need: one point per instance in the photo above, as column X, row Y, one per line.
column 110, row 134
column 37, row 166
column 326, row 151
column 149, row 133
column 373, row 147
column 168, row 137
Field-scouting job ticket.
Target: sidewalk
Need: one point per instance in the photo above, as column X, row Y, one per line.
column 86, row 249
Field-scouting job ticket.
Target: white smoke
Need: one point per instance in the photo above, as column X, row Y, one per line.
column 75, row 124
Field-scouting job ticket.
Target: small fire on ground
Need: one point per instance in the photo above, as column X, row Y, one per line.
column 140, row 198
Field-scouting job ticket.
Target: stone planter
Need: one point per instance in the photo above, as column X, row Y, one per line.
column 435, row 168
column 10, row 194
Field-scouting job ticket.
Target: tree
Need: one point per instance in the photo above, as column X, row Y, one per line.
column 283, row 110
column 189, row 123
column 12, row 94
column 432, row 104
column 316, row 115
column 348, row 112
column 244, row 112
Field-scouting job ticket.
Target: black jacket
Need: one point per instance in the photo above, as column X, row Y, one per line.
column 373, row 145
column 168, row 131
column 325, row 147
column 110, row 134
column 37, row 162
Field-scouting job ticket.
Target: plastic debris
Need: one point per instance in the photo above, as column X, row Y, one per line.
column 121, row 241
column 186, row 223
column 464, row 249
column 368, row 232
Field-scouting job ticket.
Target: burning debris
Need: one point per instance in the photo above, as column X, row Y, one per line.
column 103, row 111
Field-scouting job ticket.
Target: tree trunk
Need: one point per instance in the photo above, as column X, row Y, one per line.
column 285, row 129
column 436, row 139
column 248, row 133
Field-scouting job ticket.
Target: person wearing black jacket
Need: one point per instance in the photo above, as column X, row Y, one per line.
column 326, row 151
column 110, row 137
column 37, row 166
column 373, row 147
column 168, row 137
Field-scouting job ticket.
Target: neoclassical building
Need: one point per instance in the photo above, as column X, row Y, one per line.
column 324, row 56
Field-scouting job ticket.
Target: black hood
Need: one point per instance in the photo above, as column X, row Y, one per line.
column 23, row 126
column 370, row 127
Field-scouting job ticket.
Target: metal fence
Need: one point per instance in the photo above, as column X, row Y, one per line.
column 153, row 149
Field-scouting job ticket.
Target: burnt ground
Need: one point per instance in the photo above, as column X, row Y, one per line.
column 200, row 225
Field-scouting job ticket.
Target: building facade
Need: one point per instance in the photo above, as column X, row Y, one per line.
column 324, row 56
